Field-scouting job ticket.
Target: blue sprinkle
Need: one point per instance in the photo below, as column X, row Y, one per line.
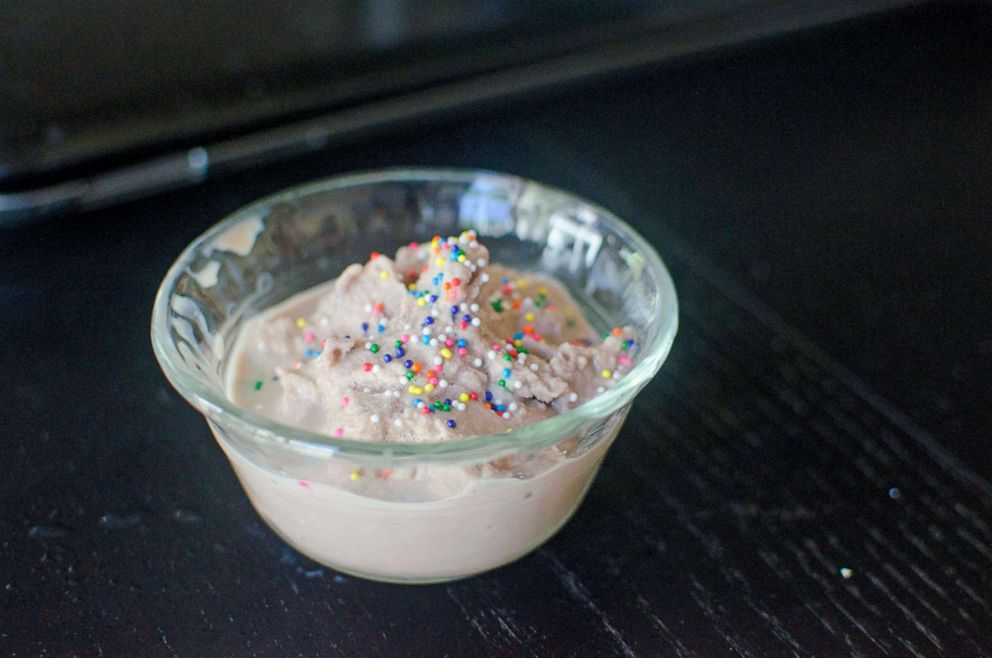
column 451, row 423
column 426, row 340
column 447, row 400
column 489, row 396
column 407, row 363
column 501, row 407
column 365, row 327
column 387, row 358
column 506, row 372
column 381, row 328
column 433, row 298
column 428, row 320
column 400, row 352
column 467, row 317
column 454, row 309
column 518, row 335
column 461, row 342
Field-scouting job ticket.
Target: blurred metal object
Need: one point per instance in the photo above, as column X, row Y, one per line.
column 647, row 36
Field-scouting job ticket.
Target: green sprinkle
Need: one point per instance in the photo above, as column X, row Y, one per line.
column 374, row 347
column 397, row 343
column 409, row 374
column 502, row 383
column 507, row 357
column 497, row 305
column 446, row 407
column 258, row 385
column 570, row 323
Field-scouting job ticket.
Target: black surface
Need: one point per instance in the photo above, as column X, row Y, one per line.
column 824, row 207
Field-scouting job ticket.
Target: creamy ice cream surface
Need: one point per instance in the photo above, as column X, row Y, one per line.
column 434, row 344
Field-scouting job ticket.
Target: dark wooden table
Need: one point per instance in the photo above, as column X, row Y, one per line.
column 807, row 475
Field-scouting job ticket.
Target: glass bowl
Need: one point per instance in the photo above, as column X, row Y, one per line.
column 404, row 512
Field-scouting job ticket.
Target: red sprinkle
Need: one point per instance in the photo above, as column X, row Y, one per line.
column 367, row 367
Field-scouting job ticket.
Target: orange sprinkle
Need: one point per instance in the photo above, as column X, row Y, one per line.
column 416, row 367
column 617, row 331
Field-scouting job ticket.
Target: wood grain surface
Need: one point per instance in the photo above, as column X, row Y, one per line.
column 808, row 475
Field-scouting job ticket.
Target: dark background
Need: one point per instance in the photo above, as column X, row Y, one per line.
column 823, row 201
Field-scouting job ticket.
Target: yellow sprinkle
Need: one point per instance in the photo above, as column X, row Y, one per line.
column 463, row 397
column 355, row 475
column 428, row 387
column 521, row 283
column 411, row 286
column 440, row 262
column 529, row 317
column 518, row 343
column 542, row 291
column 422, row 301
column 446, row 353
column 416, row 390
column 461, row 258
column 606, row 374
column 384, row 275
column 300, row 322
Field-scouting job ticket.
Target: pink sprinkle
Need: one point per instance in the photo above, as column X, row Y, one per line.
column 345, row 400
column 304, row 484
column 624, row 359
column 449, row 342
column 309, row 337
column 339, row 431
column 405, row 338
column 462, row 351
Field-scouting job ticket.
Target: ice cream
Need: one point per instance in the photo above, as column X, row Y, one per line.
column 436, row 344
column 433, row 345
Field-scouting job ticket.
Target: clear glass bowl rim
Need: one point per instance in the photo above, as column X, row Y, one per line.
column 215, row 404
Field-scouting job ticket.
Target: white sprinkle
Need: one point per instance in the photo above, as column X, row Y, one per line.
column 506, row 415
column 449, row 329
column 474, row 244
column 477, row 362
column 517, row 384
column 460, row 406
column 463, row 307
column 434, row 312
column 617, row 374
column 481, row 262
column 443, row 383
column 490, row 355
column 438, row 360
column 366, row 390
column 846, row 573
column 397, row 422
column 374, row 418
column 426, row 331
column 462, row 239
column 533, row 367
column 521, row 357
column 406, row 327
column 433, row 342
column 474, row 308
column 485, row 277
column 513, row 406
column 573, row 397
column 368, row 308
column 476, row 322
column 420, row 404
column 600, row 389
column 375, row 368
